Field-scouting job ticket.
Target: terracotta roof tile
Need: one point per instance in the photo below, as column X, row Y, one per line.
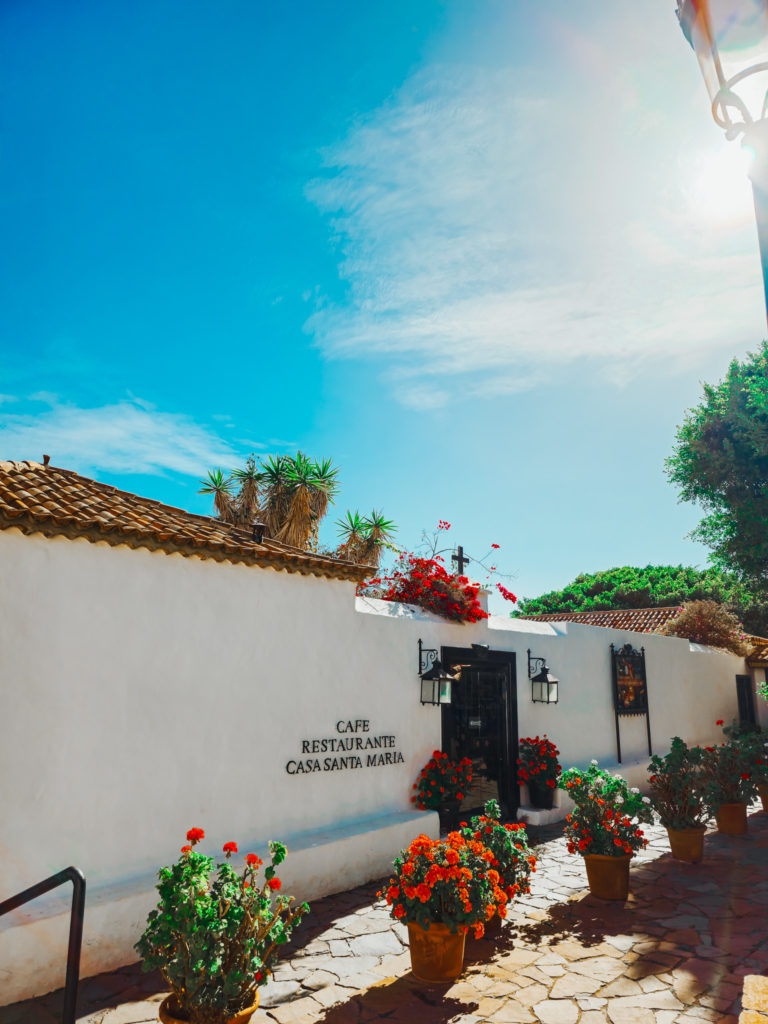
column 639, row 620
column 758, row 654
column 58, row 502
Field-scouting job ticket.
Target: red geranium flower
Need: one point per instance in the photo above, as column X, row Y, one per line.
column 230, row 848
column 186, row 849
column 274, row 883
column 195, row 835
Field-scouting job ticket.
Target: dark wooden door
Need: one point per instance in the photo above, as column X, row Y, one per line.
column 481, row 724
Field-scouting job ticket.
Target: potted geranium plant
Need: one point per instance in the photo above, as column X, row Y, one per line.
column 512, row 857
column 729, row 783
column 603, row 827
column 538, row 766
column 676, row 796
column 442, row 785
column 214, row 937
column 754, row 742
column 440, row 889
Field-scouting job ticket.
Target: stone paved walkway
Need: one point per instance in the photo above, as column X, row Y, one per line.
column 677, row 951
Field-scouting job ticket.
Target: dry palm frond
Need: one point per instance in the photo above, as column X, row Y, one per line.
column 275, row 493
column 297, row 527
column 378, row 533
column 324, row 486
column 220, row 487
column 300, row 517
column 352, row 533
column 248, row 500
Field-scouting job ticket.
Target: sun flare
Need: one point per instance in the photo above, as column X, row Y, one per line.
column 718, row 190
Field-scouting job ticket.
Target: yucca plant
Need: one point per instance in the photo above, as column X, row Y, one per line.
column 324, row 490
column 351, row 530
column 296, row 528
column 378, row 535
column 247, row 503
column 221, row 488
column 363, row 537
column 275, row 492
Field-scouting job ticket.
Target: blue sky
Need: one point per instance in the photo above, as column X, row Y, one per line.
column 481, row 253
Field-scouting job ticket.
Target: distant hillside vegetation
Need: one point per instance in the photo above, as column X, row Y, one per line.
column 653, row 586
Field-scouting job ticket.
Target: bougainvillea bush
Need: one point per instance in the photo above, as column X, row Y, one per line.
column 442, row 781
column 538, row 762
column 512, row 857
column 676, row 786
column 215, row 937
column 707, row 622
column 449, row 881
column 607, row 813
column 426, row 582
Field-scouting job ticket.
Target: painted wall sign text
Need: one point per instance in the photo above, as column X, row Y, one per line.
column 356, row 750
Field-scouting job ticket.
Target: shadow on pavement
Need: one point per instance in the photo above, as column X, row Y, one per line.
column 402, row 1000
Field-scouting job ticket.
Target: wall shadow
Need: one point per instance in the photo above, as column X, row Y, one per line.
column 404, row 1000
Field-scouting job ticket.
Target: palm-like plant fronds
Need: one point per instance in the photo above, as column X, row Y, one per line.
column 296, row 528
column 325, row 486
column 275, row 492
column 324, row 489
column 249, row 497
column 378, row 534
column 353, row 531
column 220, row 487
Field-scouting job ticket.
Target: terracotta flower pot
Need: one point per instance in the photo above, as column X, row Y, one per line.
column 687, row 843
column 762, row 792
column 169, row 1007
column 541, row 795
column 732, row 819
column 608, row 877
column 437, row 955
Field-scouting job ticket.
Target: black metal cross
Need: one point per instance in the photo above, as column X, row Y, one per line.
column 460, row 559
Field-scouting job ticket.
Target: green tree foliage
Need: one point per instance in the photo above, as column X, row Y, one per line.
column 653, row 586
column 720, row 461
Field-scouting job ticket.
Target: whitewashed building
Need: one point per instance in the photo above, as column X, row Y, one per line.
column 161, row 670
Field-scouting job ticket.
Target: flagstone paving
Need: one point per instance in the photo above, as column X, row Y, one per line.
column 677, row 951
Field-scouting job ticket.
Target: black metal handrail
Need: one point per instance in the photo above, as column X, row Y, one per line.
column 77, row 878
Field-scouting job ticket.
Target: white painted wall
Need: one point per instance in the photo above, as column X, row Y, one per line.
column 144, row 693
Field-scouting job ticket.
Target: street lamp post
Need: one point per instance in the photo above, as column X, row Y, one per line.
column 730, row 40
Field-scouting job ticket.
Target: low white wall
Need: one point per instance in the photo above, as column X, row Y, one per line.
column 143, row 693
column 33, row 942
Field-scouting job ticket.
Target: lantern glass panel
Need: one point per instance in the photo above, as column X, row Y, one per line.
column 730, row 37
column 552, row 692
column 428, row 691
column 444, row 691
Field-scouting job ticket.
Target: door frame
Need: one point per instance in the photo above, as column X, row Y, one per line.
column 509, row 791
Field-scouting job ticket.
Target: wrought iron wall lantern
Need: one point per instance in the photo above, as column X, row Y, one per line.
column 544, row 686
column 435, row 681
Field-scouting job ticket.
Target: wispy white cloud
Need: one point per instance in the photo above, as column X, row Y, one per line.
column 494, row 234
column 127, row 437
